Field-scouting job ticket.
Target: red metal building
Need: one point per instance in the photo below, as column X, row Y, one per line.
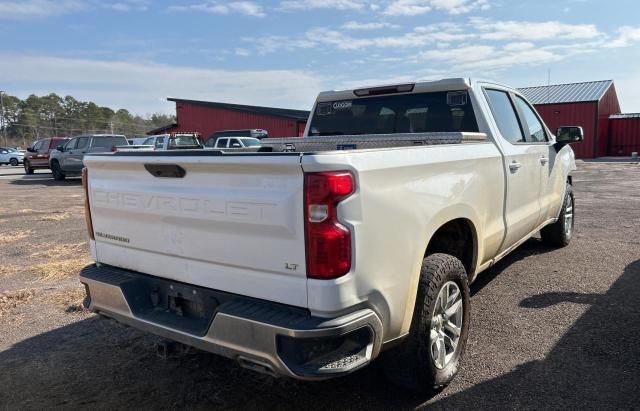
column 207, row 117
column 589, row 105
column 624, row 134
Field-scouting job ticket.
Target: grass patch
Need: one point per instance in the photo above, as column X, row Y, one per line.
column 11, row 300
column 12, row 236
column 56, row 217
column 6, row 269
column 53, row 250
column 57, row 270
column 69, row 299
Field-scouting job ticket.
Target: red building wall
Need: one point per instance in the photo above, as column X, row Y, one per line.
column 607, row 106
column 624, row 136
column 573, row 114
column 208, row 120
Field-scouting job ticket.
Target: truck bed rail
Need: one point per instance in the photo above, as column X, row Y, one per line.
column 368, row 141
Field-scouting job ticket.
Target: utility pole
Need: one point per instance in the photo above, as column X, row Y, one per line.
column 4, row 130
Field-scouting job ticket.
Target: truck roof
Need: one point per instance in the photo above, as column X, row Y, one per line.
column 457, row 83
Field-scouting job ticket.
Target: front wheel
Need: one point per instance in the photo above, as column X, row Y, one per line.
column 27, row 168
column 430, row 357
column 57, row 172
column 559, row 234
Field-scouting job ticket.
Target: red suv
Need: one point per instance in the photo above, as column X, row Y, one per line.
column 37, row 156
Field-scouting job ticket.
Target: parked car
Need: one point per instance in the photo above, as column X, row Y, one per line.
column 68, row 158
column 37, row 156
column 11, row 156
column 249, row 132
column 174, row 141
column 233, row 142
column 364, row 238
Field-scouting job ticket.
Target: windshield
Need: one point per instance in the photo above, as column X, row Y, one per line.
column 444, row 111
column 250, row 142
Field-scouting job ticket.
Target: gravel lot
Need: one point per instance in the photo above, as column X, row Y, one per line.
column 549, row 328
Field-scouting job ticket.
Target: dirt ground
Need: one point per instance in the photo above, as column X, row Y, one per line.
column 549, row 328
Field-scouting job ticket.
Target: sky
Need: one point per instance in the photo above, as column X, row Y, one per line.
column 134, row 54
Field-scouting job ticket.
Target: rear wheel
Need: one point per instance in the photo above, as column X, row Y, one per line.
column 57, row 172
column 559, row 234
column 430, row 357
column 27, row 167
column 13, row 162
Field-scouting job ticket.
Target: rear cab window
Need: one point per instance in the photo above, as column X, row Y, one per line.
column 184, row 141
column 446, row 111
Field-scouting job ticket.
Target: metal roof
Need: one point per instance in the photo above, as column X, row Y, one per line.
column 625, row 115
column 268, row 111
column 567, row 93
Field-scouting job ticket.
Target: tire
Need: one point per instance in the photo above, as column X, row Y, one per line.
column 27, row 168
column 13, row 162
column 559, row 234
column 57, row 172
column 413, row 364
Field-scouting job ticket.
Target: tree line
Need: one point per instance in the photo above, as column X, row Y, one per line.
column 47, row 116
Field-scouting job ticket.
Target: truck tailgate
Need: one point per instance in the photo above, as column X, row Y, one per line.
column 231, row 223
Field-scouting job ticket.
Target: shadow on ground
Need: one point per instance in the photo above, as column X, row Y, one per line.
column 97, row 363
column 42, row 180
column 595, row 365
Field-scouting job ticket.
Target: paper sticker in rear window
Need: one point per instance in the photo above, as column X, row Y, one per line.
column 457, row 98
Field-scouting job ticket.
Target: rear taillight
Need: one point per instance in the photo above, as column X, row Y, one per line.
column 87, row 209
column 328, row 243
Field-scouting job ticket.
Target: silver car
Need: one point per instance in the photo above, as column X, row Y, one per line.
column 67, row 159
column 11, row 156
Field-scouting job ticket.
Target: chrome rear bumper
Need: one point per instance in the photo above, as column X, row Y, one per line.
column 264, row 336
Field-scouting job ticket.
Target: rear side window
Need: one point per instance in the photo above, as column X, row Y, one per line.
column 535, row 129
column 83, row 142
column 108, row 142
column 445, row 111
column 505, row 115
column 250, row 142
column 159, row 142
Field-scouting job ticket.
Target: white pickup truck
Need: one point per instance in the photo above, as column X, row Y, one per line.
column 311, row 256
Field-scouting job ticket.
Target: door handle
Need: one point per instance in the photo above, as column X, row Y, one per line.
column 544, row 160
column 514, row 166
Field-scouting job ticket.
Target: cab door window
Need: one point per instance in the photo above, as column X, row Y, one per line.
column 71, row 145
column 534, row 129
column 505, row 115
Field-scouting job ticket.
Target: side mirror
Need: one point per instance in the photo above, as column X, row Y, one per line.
column 569, row 134
column 60, row 148
column 236, row 145
column 31, row 149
